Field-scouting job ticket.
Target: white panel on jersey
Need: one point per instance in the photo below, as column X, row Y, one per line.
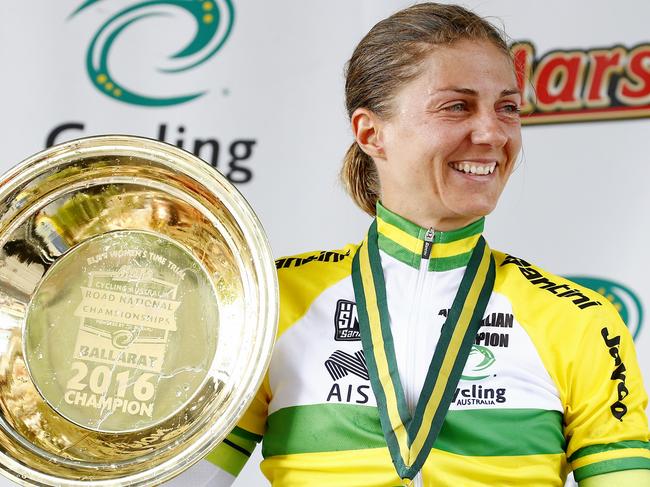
column 298, row 374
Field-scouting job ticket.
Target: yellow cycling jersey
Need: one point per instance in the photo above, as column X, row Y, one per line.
column 551, row 383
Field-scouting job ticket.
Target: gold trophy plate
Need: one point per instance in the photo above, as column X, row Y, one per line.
column 138, row 309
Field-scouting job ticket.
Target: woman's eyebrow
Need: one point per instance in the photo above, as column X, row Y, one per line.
column 471, row 92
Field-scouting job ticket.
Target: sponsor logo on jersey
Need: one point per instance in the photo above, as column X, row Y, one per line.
column 324, row 256
column 346, row 321
column 214, row 20
column 576, row 85
column 624, row 300
column 479, row 360
column 339, row 365
column 618, row 408
column 477, row 395
column 560, row 290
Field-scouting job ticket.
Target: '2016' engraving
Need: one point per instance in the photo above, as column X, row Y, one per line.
column 100, row 380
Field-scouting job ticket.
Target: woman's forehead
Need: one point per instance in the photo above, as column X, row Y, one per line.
column 467, row 65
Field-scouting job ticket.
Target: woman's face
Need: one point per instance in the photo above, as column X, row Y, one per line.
column 447, row 150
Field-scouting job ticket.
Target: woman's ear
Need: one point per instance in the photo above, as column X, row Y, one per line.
column 366, row 127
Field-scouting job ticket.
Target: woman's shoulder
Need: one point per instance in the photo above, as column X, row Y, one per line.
column 316, row 259
column 313, row 272
column 539, row 296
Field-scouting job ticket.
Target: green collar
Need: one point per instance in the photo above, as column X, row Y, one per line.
column 404, row 241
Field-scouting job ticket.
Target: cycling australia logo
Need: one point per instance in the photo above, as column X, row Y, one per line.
column 214, row 21
column 480, row 359
column 624, row 300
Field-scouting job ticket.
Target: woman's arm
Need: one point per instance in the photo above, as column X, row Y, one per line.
column 222, row 465
column 626, row 478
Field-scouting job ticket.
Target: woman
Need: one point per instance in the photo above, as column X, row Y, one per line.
column 465, row 366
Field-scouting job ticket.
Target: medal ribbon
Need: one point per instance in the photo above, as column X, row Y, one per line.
column 409, row 439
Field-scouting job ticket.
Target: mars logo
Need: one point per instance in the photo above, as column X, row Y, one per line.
column 583, row 85
column 624, row 300
column 214, row 20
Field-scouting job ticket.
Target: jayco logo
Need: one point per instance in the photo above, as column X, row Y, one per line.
column 214, row 21
column 623, row 298
column 618, row 408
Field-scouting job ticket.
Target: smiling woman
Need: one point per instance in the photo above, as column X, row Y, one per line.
column 421, row 356
column 451, row 138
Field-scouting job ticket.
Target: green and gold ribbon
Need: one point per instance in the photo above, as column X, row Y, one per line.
column 410, row 439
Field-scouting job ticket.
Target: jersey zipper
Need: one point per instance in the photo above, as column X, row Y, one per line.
column 412, row 328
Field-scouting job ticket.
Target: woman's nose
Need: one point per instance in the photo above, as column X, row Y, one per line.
column 488, row 130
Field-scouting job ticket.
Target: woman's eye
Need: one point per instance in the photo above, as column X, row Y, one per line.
column 511, row 108
column 456, row 107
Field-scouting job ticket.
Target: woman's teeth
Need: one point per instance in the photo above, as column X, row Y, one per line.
column 473, row 168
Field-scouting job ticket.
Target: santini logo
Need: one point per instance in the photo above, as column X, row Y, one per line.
column 214, row 20
column 561, row 290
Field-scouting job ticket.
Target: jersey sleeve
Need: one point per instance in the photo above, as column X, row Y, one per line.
column 234, row 451
column 605, row 421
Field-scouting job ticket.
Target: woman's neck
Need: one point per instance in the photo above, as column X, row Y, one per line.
column 427, row 218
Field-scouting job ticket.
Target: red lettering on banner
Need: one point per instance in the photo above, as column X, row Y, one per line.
column 636, row 90
column 559, row 79
column 593, row 84
column 523, row 54
column 603, row 64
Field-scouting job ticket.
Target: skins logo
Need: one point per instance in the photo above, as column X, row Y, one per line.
column 578, row 85
column 346, row 321
column 214, row 20
column 624, row 300
column 479, row 359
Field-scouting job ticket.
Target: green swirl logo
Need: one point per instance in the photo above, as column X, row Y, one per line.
column 624, row 300
column 479, row 359
column 214, row 20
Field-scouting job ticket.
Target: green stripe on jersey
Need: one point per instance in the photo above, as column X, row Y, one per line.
column 247, row 435
column 609, row 466
column 593, row 449
column 412, row 259
column 395, row 250
column 442, row 264
column 492, row 432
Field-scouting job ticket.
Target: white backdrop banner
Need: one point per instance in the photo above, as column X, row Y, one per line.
column 255, row 88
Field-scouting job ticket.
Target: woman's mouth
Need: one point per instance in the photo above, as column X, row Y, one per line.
column 475, row 168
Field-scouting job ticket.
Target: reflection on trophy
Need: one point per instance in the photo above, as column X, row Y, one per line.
column 138, row 308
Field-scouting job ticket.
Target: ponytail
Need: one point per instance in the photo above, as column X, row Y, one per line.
column 359, row 176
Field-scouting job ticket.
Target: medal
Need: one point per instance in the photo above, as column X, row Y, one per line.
column 410, row 439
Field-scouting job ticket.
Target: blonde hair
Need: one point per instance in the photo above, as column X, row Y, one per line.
column 388, row 57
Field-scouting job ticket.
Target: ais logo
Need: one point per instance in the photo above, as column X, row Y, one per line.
column 623, row 299
column 213, row 18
